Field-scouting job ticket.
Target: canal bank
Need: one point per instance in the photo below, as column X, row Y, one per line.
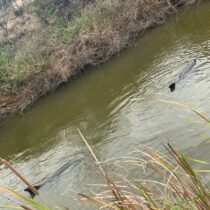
column 108, row 105
column 55, row 55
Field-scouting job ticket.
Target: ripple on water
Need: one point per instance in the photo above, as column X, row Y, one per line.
column 117, row 109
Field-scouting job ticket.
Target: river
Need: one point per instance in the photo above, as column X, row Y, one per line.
column 116, row 106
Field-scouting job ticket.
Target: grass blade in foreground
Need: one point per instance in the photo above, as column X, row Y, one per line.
column 176, row 187
column 187, row 107
column 23, row 198
column 10, row 207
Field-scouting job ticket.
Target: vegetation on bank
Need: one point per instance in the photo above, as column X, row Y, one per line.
column 54, row 40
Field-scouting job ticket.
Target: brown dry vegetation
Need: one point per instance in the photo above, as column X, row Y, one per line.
column 162, row 182
column 101, row 29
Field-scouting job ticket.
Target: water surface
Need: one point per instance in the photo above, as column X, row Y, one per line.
column 115, row 106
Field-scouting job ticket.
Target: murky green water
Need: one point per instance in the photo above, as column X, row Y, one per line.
column 108, row 105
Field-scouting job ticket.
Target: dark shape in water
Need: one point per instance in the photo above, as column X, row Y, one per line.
column 70, row 164
column 183, row 74
column 172, row 86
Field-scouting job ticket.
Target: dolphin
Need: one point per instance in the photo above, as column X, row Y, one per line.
column 183, row 74
column 70, row 164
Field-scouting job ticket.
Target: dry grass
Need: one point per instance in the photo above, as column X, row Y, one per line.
column 60, row 52
column 163, row 182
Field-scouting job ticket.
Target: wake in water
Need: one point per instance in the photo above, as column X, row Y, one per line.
column 70, row 165
column 188, row 68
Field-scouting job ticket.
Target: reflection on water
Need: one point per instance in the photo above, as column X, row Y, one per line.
column 116, row 108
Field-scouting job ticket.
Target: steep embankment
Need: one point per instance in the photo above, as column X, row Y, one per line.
column 66, row 36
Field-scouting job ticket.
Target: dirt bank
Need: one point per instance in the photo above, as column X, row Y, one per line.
column 101, row 29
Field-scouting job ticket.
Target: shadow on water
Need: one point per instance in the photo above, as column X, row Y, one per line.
column 107, row 105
